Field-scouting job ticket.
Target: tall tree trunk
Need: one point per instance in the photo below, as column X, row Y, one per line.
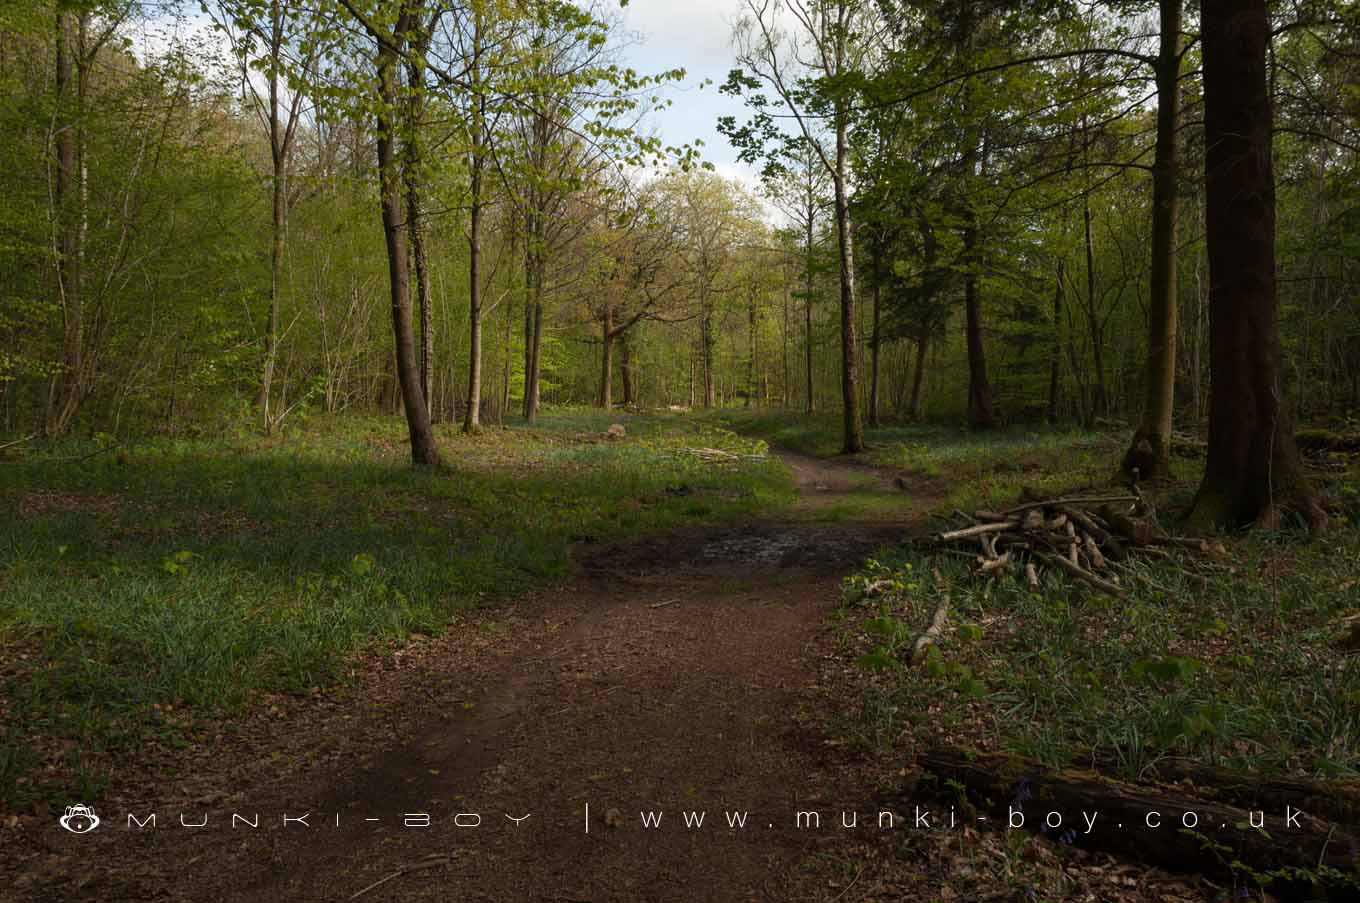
column 751, row 388
column 606, row 396
column 69, row 200
column 1055, row 360
column 1150, row 451
column 981, row 414
column 424, row 290
column 424, row 451
column 1100, row 405
column 279, row 162
column 1253, row 468
column 472, row 416
column 807, row 314
column 628, row 374
column 707, row 340
column 853, row 439
column 918, row 378
column 787, row 374
column 875, row 347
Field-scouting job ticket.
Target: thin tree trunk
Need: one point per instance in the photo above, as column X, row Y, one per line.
column 981, row 415
column 1150, row 451
column 1055, row 361
column 606, row 396
column 853, row 439
column 918, row 378
column 1100, row 405
column 472, row 415
column 626, row 352
column 278, row 159
column 807, row 313
column 1253, row 469
column 875, row 347
column 751, row 388
column 424, row 451
column 707, row 340
column 69, row 199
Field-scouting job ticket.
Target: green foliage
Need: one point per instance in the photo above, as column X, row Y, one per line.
column 195, row 574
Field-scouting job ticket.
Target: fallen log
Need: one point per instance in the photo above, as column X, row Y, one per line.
column 1153, row 825
column 1338, row 801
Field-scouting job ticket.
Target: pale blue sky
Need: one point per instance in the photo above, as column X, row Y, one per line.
column 694, row 35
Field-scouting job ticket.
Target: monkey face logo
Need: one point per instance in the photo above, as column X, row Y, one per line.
column 79, row 819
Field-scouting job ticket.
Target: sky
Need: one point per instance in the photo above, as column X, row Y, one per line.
column 694, row 35
column 663, row 34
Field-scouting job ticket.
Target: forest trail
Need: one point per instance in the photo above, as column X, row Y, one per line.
column 666, row 676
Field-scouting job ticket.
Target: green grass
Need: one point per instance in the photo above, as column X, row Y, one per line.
column 1229, row 661
column 145, row 587
column 947, row 466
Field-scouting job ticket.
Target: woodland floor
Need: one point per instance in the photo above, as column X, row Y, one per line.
column 680, row 671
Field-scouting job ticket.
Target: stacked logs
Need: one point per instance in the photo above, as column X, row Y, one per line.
column 1088, row 539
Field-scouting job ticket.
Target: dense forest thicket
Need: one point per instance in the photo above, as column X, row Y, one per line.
column 976, row 211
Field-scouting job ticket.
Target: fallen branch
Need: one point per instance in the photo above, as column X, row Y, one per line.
column 979, row 530
column 404, row 870
column 932, row 635
column 1060, row 502
column 1082, row 574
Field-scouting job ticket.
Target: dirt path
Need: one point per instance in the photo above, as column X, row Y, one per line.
column 665, row 678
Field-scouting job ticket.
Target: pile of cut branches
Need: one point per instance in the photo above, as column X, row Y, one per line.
column 1088, row 539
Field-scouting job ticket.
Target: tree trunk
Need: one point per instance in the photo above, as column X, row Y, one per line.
column 278, row 160
column 707, row 340
column 807, row 313
column 1055, row 362
column 1253, row 468
column 853, row 440
column 1100, row 405
column 1150, row 451
column 981, row 415
column 424, row 290
column 606, row 396
column 472, row 416
column 424, row 451
column 875, row 347
column 68, row 198
column 751, row 389
column 626, row 352
column 918, row 378
column 784, row 386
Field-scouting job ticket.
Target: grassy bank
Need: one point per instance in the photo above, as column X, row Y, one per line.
column 181, row 577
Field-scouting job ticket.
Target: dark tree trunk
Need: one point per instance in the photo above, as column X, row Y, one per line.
column 751, row 388
column 1253, row 468
column 606, row 396
column 626, row 355
column 1150, row 451
column 1055, row 361
column 69, row 201
column 853, row 427
column 424, row 452
column 707, row 340
column 918, row 378
column 807, row 313
column 875, row 347
column 980, row 412
column 472, row 416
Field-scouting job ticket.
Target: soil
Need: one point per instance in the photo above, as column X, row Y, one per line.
column 667, row 676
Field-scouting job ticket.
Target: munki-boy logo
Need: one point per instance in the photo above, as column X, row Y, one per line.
column 79, row 819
